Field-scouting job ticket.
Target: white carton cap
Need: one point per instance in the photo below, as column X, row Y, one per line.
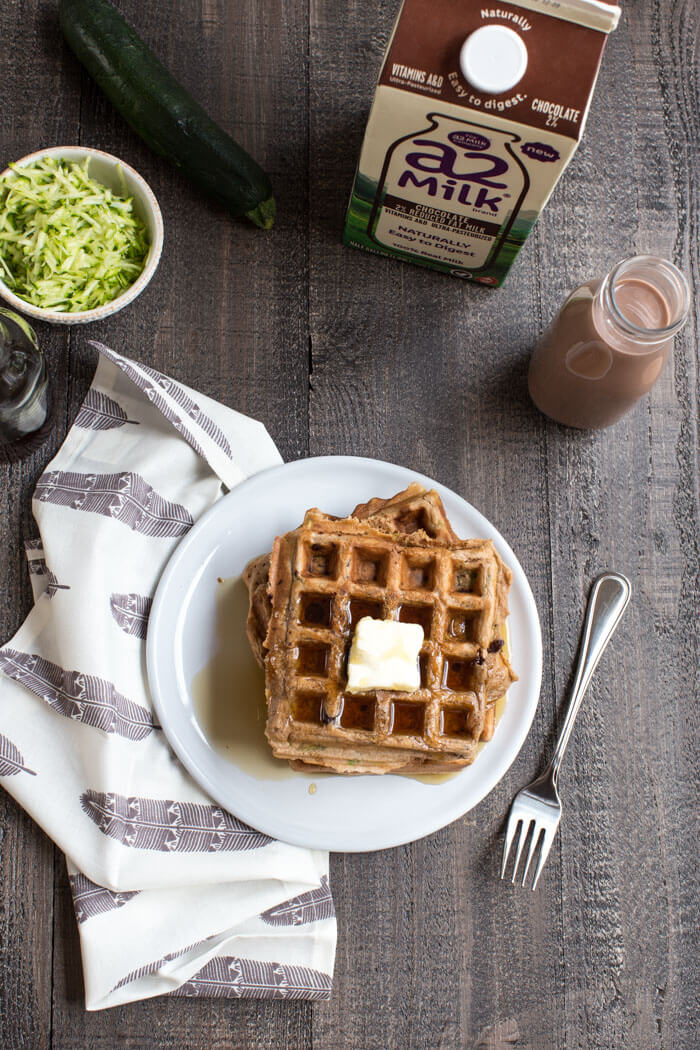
column 493, row 59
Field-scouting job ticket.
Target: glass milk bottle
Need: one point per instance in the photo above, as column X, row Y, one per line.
column 23, row 379
column 606, row 347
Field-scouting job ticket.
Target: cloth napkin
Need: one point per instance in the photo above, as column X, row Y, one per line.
column 172, row 894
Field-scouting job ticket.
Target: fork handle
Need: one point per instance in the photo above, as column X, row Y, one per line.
column 608, row 600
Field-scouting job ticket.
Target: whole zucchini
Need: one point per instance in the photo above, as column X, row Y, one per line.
column 165, row 116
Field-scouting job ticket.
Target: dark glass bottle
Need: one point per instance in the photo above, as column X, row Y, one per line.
column 23, row 379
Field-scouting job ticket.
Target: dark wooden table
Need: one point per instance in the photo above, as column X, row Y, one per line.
column 340, row 352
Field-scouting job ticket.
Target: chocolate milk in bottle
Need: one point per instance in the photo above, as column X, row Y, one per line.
column 477, row 112
column 606, row 347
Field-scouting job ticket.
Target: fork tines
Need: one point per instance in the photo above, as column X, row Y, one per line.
column 532, row 825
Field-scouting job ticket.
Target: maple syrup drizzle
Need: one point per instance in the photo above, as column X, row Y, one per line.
column 500, row 706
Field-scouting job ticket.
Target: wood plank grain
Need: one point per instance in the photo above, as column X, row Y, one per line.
column 26, row 909
column 422, row 370
column 38, row 109
column 627, row 498
column 226, row 311
column 338, row 351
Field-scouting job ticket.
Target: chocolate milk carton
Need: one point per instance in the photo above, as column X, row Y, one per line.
column 477, row 112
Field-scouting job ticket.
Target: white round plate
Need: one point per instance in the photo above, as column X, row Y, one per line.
column 344, row 813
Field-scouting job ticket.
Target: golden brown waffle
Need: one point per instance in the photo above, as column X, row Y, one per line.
column 324, row 577
column 418, row 509
column 256, row 577
column 413, row 510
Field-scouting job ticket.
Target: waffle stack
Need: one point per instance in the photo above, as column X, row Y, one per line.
column 391, row 559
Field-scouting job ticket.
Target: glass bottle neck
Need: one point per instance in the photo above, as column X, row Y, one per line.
column 642, row 304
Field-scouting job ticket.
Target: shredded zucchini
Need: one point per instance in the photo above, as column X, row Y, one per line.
column 67, row 243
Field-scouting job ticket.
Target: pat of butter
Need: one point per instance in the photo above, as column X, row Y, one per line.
column 384, row 655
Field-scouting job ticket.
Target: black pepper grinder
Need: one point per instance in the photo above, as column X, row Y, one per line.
column 23, row 379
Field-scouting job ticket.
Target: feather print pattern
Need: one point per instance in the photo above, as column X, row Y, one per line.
column 131, row 611
column 38, row 567
column 82, row 697
column 168, row 826
column 126, row 497
column 11, row 759
column 233, row 978
column 144, row 971
column 89, row 899
column 152, row 394
column 99, row 412
column 180, row 397
column 53, row 585
column 312, row 906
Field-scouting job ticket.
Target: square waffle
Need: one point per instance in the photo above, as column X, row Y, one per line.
column 417, row 509
column 413, row 510
column 328, row 574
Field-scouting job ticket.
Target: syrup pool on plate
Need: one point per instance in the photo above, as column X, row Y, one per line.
column 228, row 693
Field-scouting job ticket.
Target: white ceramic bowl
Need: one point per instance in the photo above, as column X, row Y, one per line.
column 111, row 172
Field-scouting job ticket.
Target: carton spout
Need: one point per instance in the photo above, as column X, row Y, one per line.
column 594, row 14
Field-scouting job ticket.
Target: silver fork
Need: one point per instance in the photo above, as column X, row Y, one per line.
column 536, row 809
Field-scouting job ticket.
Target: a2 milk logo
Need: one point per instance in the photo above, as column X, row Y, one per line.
column 448, row 192
column 441, row 170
